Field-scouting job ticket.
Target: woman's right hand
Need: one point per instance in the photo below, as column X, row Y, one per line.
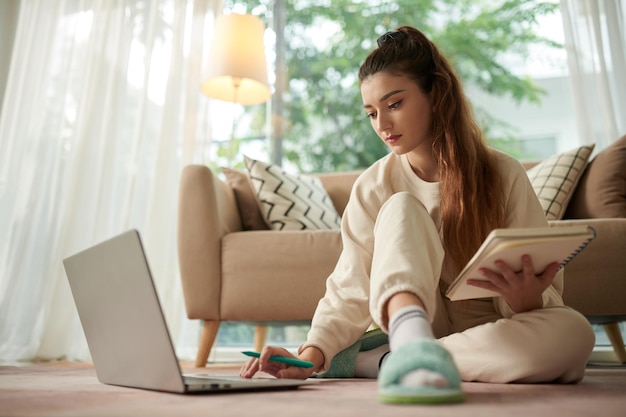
column 279, row 369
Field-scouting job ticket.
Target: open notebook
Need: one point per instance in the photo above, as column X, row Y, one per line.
column 545, row 245
column 125, row 328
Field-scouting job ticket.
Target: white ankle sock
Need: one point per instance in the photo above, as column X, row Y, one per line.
column 407, row 324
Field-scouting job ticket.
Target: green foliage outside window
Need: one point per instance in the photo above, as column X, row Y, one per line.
column 327, row 41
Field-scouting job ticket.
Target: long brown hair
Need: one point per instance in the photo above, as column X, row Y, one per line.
column 472, row 200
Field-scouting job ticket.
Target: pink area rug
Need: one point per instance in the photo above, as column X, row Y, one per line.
column 72, row 389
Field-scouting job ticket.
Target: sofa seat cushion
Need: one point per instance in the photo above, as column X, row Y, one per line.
column 601, row 192
column 284, row 273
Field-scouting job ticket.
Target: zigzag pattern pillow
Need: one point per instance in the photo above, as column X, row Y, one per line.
column 291, row 202
column 554, row 180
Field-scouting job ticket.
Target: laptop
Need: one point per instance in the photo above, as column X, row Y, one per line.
column 125, row 327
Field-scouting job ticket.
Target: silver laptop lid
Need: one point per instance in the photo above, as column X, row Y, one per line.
column 121, row 316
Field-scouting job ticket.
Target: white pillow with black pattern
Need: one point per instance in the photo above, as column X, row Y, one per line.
column 554, row 179
column 291, row 202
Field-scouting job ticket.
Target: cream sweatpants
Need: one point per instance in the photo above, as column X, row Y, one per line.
column 551, row 344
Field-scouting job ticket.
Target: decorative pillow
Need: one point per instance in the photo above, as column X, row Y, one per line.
column 601, row 192
column 251, row 218
column 554, row 179
column 291, row 202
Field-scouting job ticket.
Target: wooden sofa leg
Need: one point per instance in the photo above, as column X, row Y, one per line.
column 207, row 339
column 260, row 337
column 615, row 336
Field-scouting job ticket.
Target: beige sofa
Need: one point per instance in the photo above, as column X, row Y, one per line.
column 264, row 276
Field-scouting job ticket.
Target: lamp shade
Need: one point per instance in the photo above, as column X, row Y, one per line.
column 238, row 68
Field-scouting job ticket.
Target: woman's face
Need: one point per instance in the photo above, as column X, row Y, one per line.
column 400, row 112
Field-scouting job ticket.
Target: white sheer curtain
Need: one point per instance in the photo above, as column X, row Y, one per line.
column 102, row 109
column 595, row 39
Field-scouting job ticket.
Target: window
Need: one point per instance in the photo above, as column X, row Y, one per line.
column 522, row 75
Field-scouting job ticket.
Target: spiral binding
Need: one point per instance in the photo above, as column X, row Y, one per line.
column 579, row 249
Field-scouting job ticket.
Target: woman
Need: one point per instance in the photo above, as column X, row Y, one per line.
column 414, row 219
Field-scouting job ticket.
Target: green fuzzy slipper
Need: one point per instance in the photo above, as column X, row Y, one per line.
column 420, row 354
column 344, row 363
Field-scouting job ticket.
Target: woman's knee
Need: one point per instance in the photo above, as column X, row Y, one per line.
column 402, row 201
column 574, row 329
column 569, row 340
column 403, row 212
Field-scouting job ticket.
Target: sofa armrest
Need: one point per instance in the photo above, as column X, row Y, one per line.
column 595, row 280
column 206, row 212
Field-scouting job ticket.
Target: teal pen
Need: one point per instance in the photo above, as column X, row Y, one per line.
column 290, row 361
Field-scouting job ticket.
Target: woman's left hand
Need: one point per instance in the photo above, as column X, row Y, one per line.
column 522, row 290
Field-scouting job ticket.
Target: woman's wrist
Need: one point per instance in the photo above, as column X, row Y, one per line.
column 527, row 305
column 314, row 355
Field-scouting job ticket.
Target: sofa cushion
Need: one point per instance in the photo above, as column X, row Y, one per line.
column 251, row 217
column 594, row 280
column 283, row 272
column 601, row 192
column 338, row 185
column 555, row 179
column 291, row 202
